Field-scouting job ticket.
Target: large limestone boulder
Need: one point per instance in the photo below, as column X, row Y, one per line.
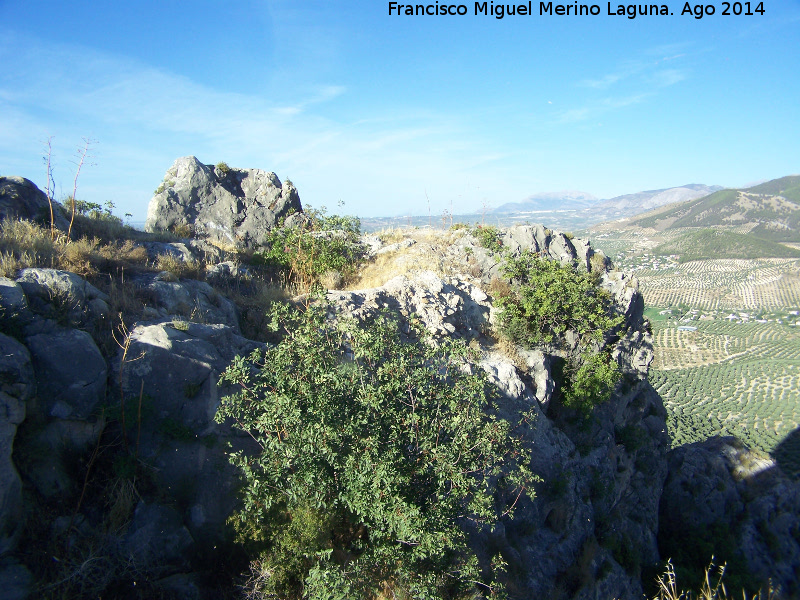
column 70, row 372
column 17, row 385
column 175, row 367
column 21, row 199
column 62, row 296
column 230, row 207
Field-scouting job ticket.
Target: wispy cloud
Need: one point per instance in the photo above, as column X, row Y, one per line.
column 598, row 108
column 631, row 82
column 145, row 118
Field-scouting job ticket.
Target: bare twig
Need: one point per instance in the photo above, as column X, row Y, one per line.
column 50, row 181
column 83, row 155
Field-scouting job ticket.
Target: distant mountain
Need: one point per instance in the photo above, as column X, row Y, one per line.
column 564, row 200
column 595, row 209
column 647, row 200
column 771, row 210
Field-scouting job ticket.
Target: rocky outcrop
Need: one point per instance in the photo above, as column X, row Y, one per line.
column 62, row 296
column 21, row 199
column 593, row 525
column 231, row 207
column 587, row 531
column 188, row 299
column 17, row 386
column 71, row 373
column 175, row 368
column 722, row 498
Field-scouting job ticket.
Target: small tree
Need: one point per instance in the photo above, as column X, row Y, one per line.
column 373, row 448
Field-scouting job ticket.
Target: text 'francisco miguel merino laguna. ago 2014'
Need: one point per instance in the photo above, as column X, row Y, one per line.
column 631, row 11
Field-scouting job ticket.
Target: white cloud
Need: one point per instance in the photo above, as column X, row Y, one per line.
column 144, row 118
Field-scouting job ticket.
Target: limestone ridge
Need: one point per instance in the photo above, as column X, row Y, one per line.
column 230, row 207
column 592, row 527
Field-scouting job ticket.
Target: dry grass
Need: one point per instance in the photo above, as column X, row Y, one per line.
column 712, row 588
column 392, row 235
column 180, row 268
column 24, row 244
column 428, row 254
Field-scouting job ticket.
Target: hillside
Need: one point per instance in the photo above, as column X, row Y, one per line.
column 769, row 211
column 296, row 410
column 711, row 243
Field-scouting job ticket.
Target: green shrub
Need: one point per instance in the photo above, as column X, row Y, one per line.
column 329, row 245
column 550, row 299
column 589, row 380
column 373, row 447
column 489, row 237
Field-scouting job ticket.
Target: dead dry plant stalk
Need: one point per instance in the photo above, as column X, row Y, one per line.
column 50, row 181
column 83, row 154
column 125, row 344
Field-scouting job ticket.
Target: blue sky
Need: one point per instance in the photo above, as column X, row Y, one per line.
column 382, row 112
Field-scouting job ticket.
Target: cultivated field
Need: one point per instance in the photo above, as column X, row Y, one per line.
column 726, row 334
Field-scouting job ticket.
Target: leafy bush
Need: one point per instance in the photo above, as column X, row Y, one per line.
column 589, row 381
column 312, row 255
column 373, row 447
column 550, row 299
column 488, row 237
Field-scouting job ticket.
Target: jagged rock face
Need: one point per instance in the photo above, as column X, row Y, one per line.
column 191, row 300
column 70, row 371
column 62, row 296
column 593, row 524
column 175, row 368
column 17, row 385
column 718, row 488
column 228, row 206
column 21, row 199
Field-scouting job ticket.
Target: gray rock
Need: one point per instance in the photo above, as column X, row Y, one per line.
column 221, row 272
column 49, row 451
column 195, row 300
column 178, row 371
column 158, row 538
column 16, row 582
column 71, row 373
column 539, row 366
column 720, row 485
column 232, row 207
column 13, row 305
column 17, row 385
column 62, row 296
column 21, row 199
column 445, row 307
column 180, row 363
column 187, row 250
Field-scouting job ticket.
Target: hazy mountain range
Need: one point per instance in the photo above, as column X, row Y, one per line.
column 626, row 205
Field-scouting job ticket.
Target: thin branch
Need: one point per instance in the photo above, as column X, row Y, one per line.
column 83, row 154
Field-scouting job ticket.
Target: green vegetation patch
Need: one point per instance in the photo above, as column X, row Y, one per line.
column 720, row 243
column 550, row 299
column 305, row 254
column 373, row 447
